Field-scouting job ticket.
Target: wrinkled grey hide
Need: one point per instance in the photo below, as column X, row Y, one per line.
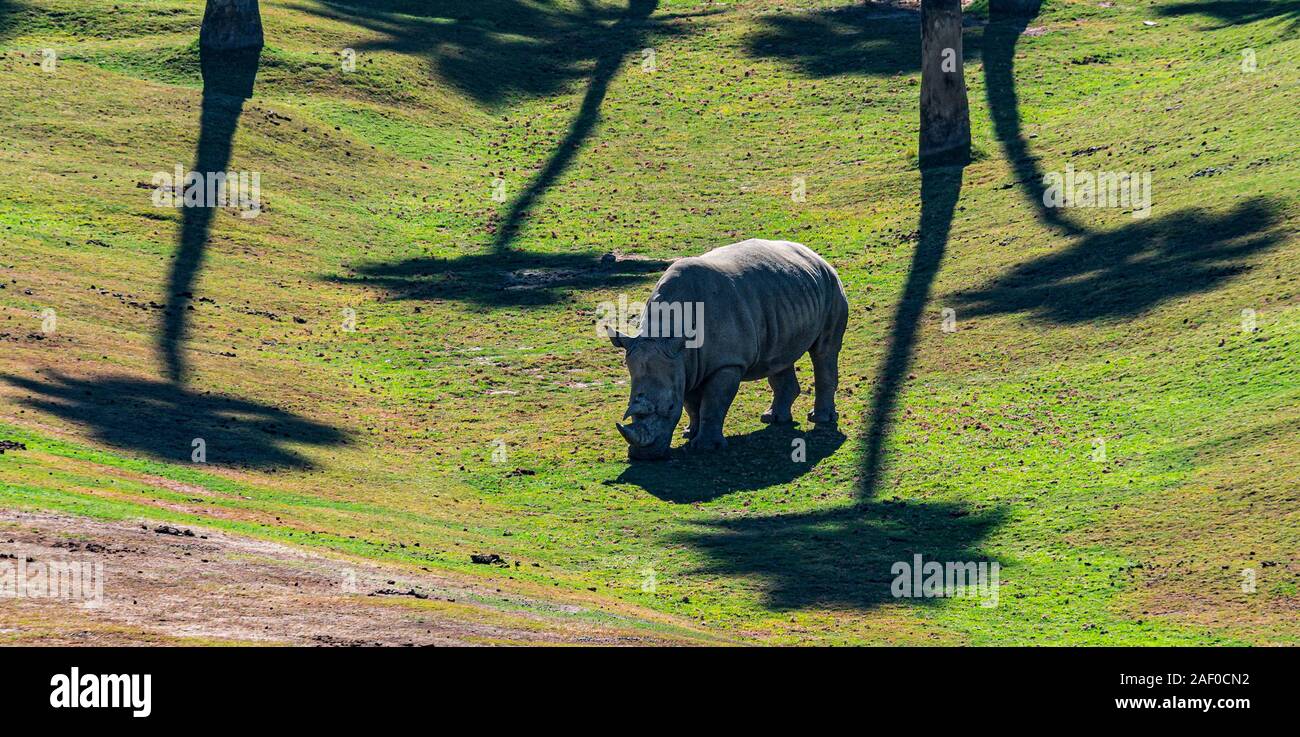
column 766, row 303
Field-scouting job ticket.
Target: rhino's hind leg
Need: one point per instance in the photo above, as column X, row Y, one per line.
column 715, row 399
column 825, row 355
column 692, row 405
column 785, row 389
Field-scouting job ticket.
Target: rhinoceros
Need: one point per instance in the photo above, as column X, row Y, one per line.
column 760, row 305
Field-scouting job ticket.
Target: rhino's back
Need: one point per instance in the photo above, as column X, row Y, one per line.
column 766, row 302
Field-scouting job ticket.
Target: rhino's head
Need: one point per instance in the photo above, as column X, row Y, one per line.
column 658, row 372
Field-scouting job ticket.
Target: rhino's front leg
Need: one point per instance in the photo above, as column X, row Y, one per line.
column 715, row 400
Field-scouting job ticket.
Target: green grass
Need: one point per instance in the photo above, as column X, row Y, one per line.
column 377, row 190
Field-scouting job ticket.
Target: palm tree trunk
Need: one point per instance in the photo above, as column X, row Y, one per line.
column 945, row 113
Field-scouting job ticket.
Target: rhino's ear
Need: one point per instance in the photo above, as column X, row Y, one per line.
column 620, row 340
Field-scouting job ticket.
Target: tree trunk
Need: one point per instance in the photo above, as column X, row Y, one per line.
column 945, row 113
column 231, row 24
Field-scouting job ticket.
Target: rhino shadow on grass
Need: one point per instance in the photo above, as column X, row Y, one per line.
column 752, row 461
column 161, row 420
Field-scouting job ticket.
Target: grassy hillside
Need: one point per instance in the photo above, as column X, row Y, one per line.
column 474, row 314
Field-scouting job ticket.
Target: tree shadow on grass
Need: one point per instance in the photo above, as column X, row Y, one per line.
column 492, row 50
column 756, row 460
column 497, row 51
column 509, row 279
column 1237, row 12
column 228, row 78
column 940, row 190
column 626, row 34
column 162, row 420
column 840, row 558
column 873, row 38
column 1121, row 274
column 1115, row 274
column 11, row 13
column 1000, row 38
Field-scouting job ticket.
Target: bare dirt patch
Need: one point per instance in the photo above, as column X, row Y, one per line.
column 170, row 586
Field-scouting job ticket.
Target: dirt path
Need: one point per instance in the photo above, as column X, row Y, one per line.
column 164, row 586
